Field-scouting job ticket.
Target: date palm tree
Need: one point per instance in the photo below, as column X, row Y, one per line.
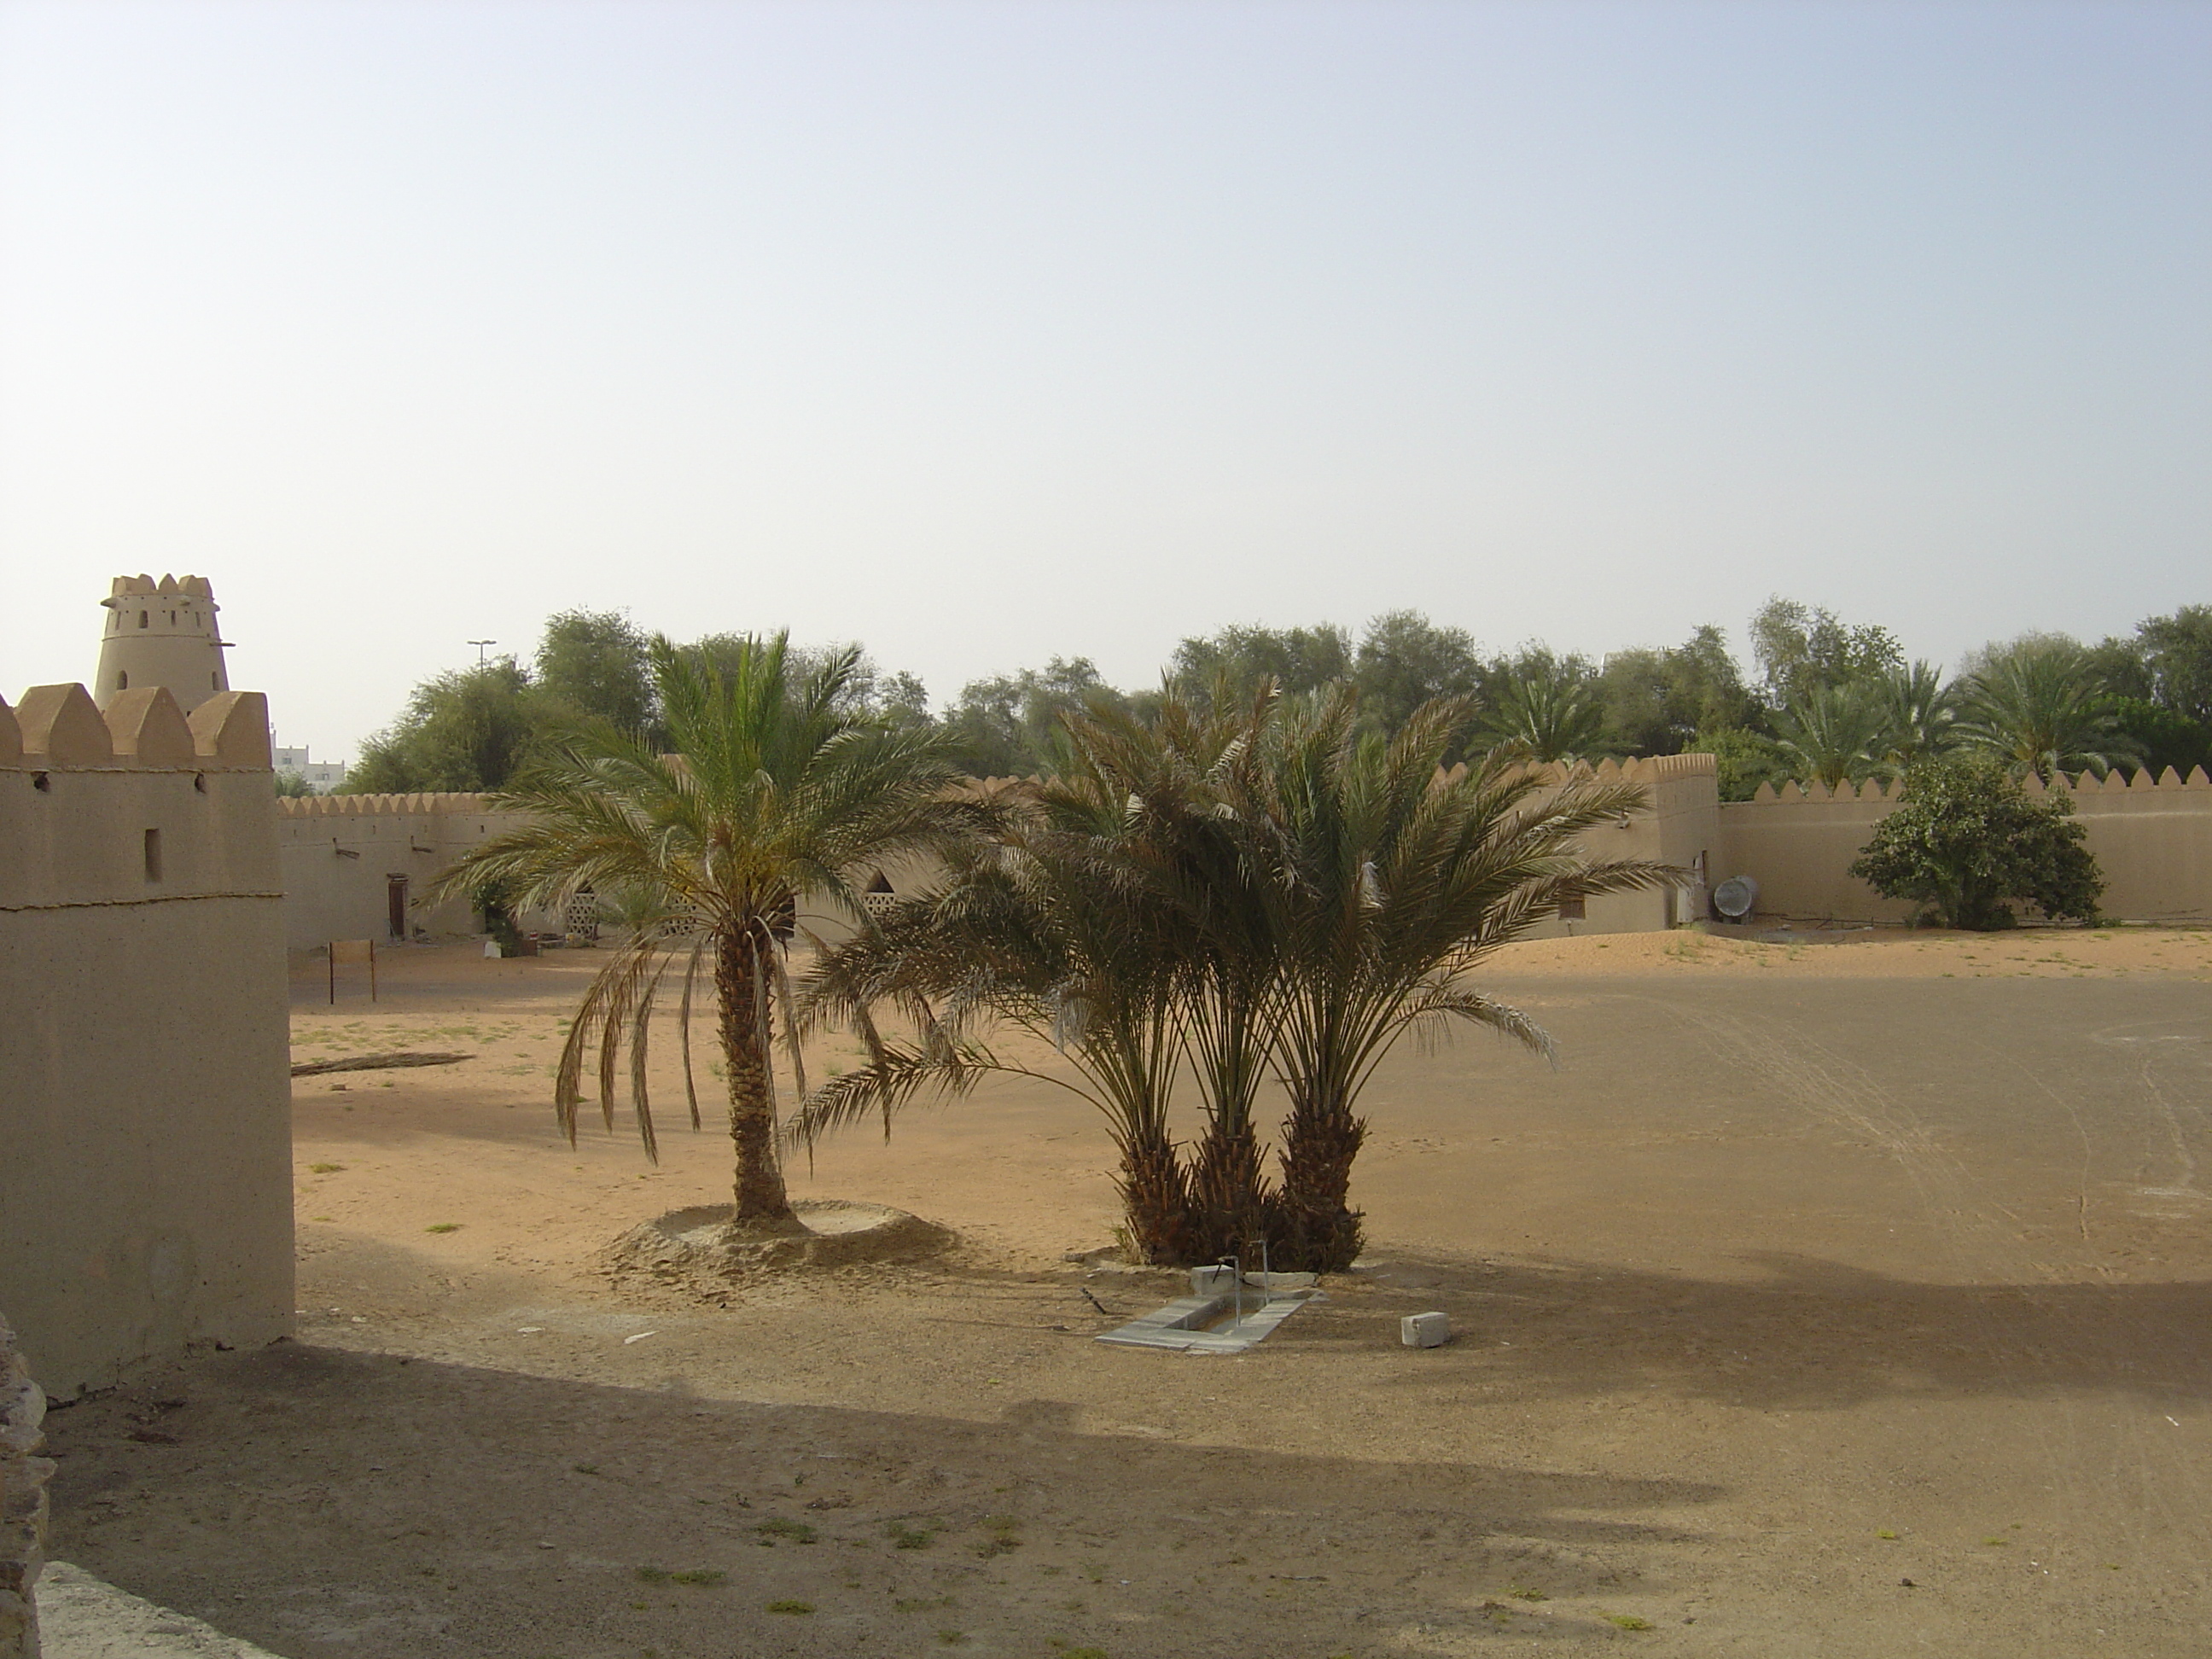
column 1054, row 931
column 1395, row 880
column 1273, row 896
column 1188, row 781
column 1548, row 708
column 1919, row 717
column 779, row 789
column 1117, row 923
column 1834, row 734
column 2041, row 707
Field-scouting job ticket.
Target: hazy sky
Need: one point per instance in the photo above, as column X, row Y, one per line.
column 983, row 332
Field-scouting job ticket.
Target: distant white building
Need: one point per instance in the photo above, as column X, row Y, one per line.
column 324, row 776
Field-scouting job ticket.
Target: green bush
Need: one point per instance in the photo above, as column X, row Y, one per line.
column 1968, row 842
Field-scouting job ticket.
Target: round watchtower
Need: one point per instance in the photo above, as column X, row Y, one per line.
column 161, row 634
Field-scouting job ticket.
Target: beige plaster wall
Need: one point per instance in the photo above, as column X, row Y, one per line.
column 145, row 1098
column 340, row 853
column 2152, row 838
column 1679, row 822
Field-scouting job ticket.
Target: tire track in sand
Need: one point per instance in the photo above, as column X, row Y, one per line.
column 2115, row 1481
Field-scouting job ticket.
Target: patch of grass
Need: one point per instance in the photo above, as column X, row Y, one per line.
column 922, row 1603
column 1996, row 1542
column 797, row 1531
column 707, row 1575
column 325, row 1169
column 585, row 1469
column 444, row 1227
column 1627, row 1621
column 790, row 1606
column 1526, row 1593
column 909, row 1538
column 952, row 1638
column 1885, row 1532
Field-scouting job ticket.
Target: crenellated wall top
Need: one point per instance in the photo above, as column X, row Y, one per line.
column 56, row 728
column 2117, row 781
column 169, row 587
column 362, row 806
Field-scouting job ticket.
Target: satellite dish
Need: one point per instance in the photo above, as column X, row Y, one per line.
column 1736, row 897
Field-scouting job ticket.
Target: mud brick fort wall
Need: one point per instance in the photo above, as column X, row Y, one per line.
column 145, row 1142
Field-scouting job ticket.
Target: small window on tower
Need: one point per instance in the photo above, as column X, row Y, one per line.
column 152, row 855
column 141, row 619
column 1574, row 909
column 122, row 680
column 214, row 681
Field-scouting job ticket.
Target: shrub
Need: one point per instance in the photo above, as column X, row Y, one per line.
column 1968, row 842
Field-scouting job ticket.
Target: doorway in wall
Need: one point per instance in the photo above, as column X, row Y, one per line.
column 395, row 904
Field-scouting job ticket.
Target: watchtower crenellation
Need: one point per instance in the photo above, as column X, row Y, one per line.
column 161, row 633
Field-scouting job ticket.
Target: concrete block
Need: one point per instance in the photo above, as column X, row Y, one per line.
column 1424, row 1330
column 1204, row 1281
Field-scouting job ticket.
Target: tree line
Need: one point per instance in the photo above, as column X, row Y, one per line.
column 1823, row 699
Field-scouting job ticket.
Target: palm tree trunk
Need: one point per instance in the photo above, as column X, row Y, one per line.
column 1155, row 1200
column 741, row 980
column 1316, row 1230
column 1228, row 1191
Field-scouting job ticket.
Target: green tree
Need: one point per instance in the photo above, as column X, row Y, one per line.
column 777, row 790
column 2039, row 704
column 1546, row 707
column 293, row 784
column 2177, row 652
column 1656, row 702
column 469, row 729
column 1801, row 648
column 1968, row 842
column 597, row 664
column 2162, row 737
column 1405, row 660
column 1744, row 760
column 1243, row 658
column 1010, row 726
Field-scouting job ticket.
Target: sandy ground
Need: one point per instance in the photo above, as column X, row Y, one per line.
column 1835, row 1299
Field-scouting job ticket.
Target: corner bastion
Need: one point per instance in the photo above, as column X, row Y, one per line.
column 145, row 1142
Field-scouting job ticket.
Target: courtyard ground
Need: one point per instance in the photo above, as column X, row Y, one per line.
column 1831, row 1300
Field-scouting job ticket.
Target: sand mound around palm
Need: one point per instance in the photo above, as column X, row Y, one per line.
column 697, row 1247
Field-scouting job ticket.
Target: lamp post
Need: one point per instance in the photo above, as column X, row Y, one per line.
column 482, row 645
